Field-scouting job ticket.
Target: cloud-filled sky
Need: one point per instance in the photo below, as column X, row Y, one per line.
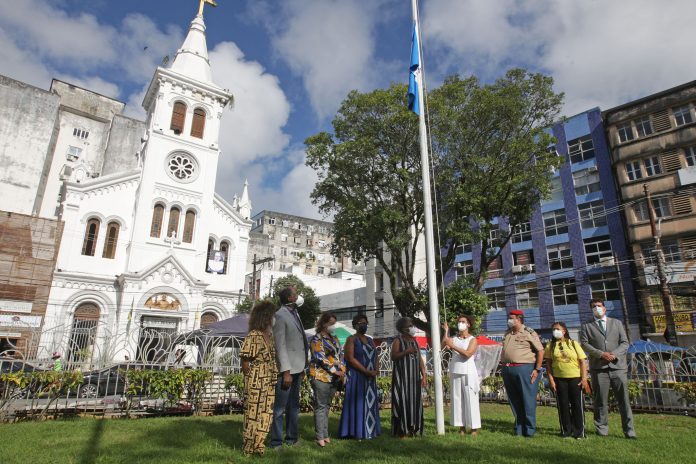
column 290, row 63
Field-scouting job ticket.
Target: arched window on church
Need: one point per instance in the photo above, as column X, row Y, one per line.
column 157, row 217
column 211, row 245
column 89, row 244
column 208, row 318
column 198, row 123
column 112, row 231
column 178, row 117
column 173, row 225
column 189, row 223
column 225, row 249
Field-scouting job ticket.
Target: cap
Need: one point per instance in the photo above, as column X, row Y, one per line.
column 516, row 312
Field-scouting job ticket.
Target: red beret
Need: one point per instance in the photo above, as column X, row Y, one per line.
column 516, row 312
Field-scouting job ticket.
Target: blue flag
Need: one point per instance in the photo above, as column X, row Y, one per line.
column 413, row 104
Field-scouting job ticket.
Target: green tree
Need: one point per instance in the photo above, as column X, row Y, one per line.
column 244, row 306
column 462, row 298
column 490, row 156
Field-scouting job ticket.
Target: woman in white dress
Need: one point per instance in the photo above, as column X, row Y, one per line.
column 464, row 379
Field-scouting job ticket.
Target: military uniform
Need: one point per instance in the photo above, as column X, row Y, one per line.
column 519, row 358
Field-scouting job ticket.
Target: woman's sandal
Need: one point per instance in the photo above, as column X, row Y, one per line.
column 321, row 443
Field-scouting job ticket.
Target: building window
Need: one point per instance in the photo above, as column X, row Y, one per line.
column 592, row 214
column 379, row 282
column 564, row 292
column 670, row 250
column 198, row 123
column 81, row 134
column 522, row 258
column 662, row 207
column 556, row 190
column 189, row 223
column 586, row 181
column 225, row 249
column 633, row 171
column 283, row 251
column 320, row 270
column 464, row 269
column 625, row 132
column 496, row 298
column 157, row 216
column 522, row 233
column 283, row 237
column 73, row 153
column 178, row 118
column 461, row 249
column 643, row 126
column 559, row 257
column 182, row 167
column 605, row 286
column 597, row 249
column 112, row 230
column 173, row 226
column 527, row 295
column 555, row 222
column 690, row 155
column 271, row 221
column 495, row 269
column 682, row 115
column 89, row 244
column 580, row 150
column 494, row 236
column 652, row 166
column 211, row 247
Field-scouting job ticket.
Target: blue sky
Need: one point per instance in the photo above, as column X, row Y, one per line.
column 291, row 62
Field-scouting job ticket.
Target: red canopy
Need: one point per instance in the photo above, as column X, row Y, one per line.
column 483, row 340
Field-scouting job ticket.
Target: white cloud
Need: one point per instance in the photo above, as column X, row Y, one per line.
column 599, row 53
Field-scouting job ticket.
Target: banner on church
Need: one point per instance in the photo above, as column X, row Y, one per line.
column 216, row 262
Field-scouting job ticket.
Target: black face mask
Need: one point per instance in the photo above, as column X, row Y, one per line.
column 362, row 329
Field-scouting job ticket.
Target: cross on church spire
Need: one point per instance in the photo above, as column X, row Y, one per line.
column 201, row 4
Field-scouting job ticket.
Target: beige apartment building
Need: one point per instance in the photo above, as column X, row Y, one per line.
column 653, row 143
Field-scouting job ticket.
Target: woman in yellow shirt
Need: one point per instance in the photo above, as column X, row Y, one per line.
column 567, row 368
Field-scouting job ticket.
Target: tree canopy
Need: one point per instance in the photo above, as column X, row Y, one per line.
column 491, row 160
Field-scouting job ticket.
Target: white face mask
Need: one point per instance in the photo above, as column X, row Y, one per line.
column 462, row 326
column 511, row 323
column 412, row 331
column 331, row 328
column 299, row 301
column 598, row 311
column 557, row 334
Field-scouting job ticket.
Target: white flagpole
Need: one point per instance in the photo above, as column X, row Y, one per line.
column 429, row 240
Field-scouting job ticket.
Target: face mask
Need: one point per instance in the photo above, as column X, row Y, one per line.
column 299, row 301
column 412, row 331
column 362, row 329
column 598, row 311
column 462, row 326
column 331, row 328
column 557, row 334
column 511, row 323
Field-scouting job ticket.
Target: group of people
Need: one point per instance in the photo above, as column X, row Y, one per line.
column 600, row 353
column 276, row 354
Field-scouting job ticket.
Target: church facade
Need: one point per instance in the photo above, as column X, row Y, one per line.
column 149, row 249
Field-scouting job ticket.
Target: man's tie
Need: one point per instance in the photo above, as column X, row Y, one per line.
column 601, row 327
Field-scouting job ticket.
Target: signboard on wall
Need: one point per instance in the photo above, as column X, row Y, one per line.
column 14, row 306
column 8, row 320
column 683, row 321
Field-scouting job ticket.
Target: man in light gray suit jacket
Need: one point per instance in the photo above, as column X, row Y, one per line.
column 291, row 355
column 605, row 342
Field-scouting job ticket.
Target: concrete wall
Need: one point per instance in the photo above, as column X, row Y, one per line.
column 27, row 118
column 124, row 145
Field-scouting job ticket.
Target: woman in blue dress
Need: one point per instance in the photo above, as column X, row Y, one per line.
column 360, row 415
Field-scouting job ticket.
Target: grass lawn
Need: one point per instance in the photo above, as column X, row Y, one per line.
column 218, row 440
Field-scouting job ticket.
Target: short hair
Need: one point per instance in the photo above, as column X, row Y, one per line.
column 323, row 319
column 469, row 319
column 285, row 293
column 518, row 316
column 402, row 323
column 357, row 318
column 596, row 300
column 261, row 316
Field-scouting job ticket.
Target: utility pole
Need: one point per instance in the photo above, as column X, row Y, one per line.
column 622, row 298
column 671, row 330
column 252, row 287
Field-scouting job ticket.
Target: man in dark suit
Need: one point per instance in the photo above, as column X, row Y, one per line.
column 605, row 342
column 291, row 355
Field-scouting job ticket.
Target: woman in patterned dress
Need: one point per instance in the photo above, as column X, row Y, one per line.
column 326, row 371
column 260, row 376
column 360, row 415
column 408, row 379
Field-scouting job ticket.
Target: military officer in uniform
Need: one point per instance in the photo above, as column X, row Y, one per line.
column 522, row 357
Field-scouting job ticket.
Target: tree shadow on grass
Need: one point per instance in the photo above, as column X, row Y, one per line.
column 91, row 450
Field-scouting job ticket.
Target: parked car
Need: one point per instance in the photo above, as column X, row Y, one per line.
column 110, row 380
column 10, row 366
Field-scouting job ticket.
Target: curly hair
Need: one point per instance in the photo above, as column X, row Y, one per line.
column 261, row 316
column 323, row 319
column 402, row 323
column 357, row 318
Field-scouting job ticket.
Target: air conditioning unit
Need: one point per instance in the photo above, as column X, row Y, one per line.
column 517, row 269
column 592, row 169
column 528, row 268
column 606, row 261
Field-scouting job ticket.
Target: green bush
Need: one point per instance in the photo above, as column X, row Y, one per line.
column 687, row 390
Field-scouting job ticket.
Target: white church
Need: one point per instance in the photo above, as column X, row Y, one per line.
column 148, row 249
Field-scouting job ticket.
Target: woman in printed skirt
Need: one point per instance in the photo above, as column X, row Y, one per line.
column 567, row 369
column 408, row 379
column 464, row 378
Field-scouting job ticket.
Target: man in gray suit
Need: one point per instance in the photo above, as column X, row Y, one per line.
column 605, row 342
column 291, row 355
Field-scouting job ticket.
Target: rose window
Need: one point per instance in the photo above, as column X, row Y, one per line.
column 182, row 167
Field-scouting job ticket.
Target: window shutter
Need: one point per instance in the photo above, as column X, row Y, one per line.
column 198, row 123
column 660, row 121
column 178, row 117
column 671, row 161
column 681, row 203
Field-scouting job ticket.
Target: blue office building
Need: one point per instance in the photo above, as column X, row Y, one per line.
column 573, row 248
